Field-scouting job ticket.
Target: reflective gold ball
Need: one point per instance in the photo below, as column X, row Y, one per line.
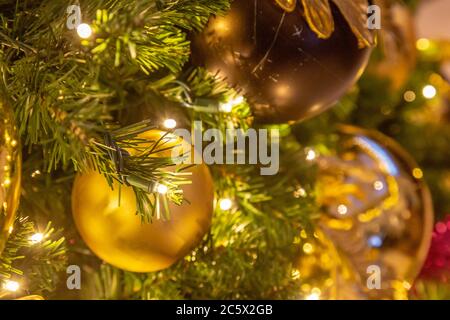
column 115, row 233
column 377, row 211
column 10, row 173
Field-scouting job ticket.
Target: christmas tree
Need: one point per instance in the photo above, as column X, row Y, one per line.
column 218, row 149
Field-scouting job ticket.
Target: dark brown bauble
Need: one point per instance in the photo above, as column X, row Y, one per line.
column 114, row 232
column 285, row 70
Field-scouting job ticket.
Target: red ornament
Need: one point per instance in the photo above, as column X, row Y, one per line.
column 437, row 264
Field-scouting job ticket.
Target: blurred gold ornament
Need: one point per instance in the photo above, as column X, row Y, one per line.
column 115, row 233
column 377, row 211
column 10, row 172
column 31, row 297
column 397, row 53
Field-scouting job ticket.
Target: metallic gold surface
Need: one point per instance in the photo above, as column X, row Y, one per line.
column 377, row 213
column 10, row 172
column 115, row 233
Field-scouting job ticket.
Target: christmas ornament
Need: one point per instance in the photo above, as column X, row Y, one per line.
column 322, row 272
column 31, row 297
column 291, row 60
column 10, row 166
column 395, row 57
column 376, row 210
column 434, row 279
column 115, row 233
column 437, row 264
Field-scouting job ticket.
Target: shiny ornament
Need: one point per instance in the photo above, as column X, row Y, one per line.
column 115, row 233
column 396, row 54
column 10, row 172
column 290, row 63
column 377, row 212
column 434, row 279
column 323, row 273
column 31, row 297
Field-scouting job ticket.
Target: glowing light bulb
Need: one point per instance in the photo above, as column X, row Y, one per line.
column 36, row 238
column 417, row 173
column 308, row 248
column 310, row 155
column 429, row 91
column 313, row 296
column 423, row 44
column 84, row 30
column 12, row 286
column 409, row 96
column 170, row 123
column 342, row 209
column 162, row 189
column 226, row 107
column 378, row 185
column 225, row 204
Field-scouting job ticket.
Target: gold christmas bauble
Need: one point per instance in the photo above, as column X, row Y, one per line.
column 10, row 172
column 31, row 297
column 377, row 211
column 114, row 232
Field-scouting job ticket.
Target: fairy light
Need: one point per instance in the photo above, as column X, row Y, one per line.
column 227, row 107
column 342, row 209
column 308, row 248
column 84, row 30
column 35, row 173
column 161, row 188
column 429, row 91
column 310, row 155
column 225, row 204
column 12, row 286
column 378, row 185
column 417, row 173
column 10, row 230
column 170, row 123
column 409, row 96
column 314, row 295
column 423, row 44
column 36, row 238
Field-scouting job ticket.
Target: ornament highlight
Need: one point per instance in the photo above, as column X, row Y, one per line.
column 10, row 172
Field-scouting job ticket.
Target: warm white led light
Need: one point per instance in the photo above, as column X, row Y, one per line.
column 84, row 30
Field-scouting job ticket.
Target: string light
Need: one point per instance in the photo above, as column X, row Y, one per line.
column 409, row 96
column 417, row 173
column 342, row 209
column 308, row 248
column 429, row 91
column 310, row 155
column 227, row 107
column 162, row 189
column 12, row 286
column 36, row 238
column 170, row 123
column 315, row 294
column 225, row 204
column 378, row 185
column 423, row 44
column 35, row 173
column 84, row 30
